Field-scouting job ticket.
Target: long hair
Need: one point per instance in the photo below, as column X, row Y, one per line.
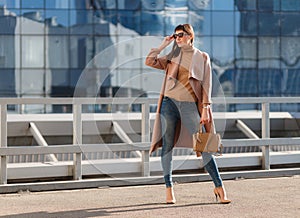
column 187, row 28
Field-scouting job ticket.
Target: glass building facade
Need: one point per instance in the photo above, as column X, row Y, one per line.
column 47, row 45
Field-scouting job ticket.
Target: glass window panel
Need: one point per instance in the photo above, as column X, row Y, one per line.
column 95, row 4
column 74, row 77
column 152, row 23
column 75, row 4
column 175, row 3
column 199, row 5
column 246, row 23
column 203, row 43
column 57, row 50
column 32, row 82
column 128, row 55
column 291, row 81
column 58, row 4
column 227, row 82
column 8, row 25
column 108, row 4
column 290, row 24
column 7, row 83
column 269, row 82
column 81, row 51
column 130, row 20
column 8, row 51
column 173, row 19
column 244, row 5
column 32, row 22
column 223, row 5
column 32, row 51
column 128, row 4
column 269, row 52
column 290, row 52
column 105, row 29
column 223, row 23
column 10, row 3
column 57, row 30
column 223, row 51
column 246, row 52
column 57, row 17
column 290, row 5
column 60, row 84
column 109, row 15
column 245, row 82
column 106, row 51
column 32, row 3
column 60, row 78
column 201, row 22
column 81, row 22
column 269, row 24
column 153, row 4
column 267, row 5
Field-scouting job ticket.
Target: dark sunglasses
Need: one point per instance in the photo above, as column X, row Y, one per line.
column 180, row 35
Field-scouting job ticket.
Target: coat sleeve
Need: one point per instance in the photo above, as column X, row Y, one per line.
column 207, row 80
column 152, row 59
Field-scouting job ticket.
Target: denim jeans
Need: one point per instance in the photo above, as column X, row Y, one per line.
column 173, row 111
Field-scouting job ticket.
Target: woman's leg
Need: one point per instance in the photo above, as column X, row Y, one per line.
column 210, row 166
column 191, row 120
column 169, row 118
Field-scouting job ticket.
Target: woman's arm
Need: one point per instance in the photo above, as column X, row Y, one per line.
column 206, row 91
column 152, row 58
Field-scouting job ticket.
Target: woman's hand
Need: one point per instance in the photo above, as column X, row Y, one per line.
column 205, row 116
column 167, row 40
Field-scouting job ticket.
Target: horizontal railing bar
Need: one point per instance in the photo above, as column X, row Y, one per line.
column 82, row 100
column 261, row 142
column 254, row 100
column 19, row 150
column 59, row 149
column 141, row 100
column 115, row 147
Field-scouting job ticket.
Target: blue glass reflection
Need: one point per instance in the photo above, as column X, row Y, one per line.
column 57, row 4
column 32, row 4
column 10, row 3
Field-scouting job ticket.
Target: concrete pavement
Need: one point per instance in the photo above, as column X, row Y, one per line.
column 271, row 197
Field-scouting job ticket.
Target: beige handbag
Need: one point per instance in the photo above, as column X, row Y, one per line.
column 207, row 142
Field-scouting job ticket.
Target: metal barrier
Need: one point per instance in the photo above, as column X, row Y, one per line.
column 77, row 147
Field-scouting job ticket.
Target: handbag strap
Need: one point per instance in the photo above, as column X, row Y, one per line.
column 201, row 128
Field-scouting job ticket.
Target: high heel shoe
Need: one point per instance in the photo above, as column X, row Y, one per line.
column 221, row 193
column 170, row 198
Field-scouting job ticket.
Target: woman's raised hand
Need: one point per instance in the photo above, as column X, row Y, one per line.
column 167, row 40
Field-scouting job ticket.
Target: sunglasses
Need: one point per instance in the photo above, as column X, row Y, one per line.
column 180, row 35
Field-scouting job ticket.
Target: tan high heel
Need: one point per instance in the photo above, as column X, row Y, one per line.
column 221, row 193
column 170, row 198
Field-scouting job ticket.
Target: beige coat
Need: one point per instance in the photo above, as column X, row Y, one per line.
column 200, row 78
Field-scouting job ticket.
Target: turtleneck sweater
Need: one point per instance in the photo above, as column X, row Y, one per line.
column 182, row 90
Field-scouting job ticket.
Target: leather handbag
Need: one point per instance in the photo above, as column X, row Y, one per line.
column 207, row 142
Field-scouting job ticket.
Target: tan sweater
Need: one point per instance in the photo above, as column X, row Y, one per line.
column 180, row 89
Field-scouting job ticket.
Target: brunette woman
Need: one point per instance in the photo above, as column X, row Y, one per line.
column 184, row 103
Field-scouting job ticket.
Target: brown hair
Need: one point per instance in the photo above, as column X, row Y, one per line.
column 187, row 28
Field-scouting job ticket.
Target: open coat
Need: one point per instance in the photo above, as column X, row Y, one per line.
column 200, row 78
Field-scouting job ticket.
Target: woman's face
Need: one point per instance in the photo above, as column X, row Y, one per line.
column 182, row 38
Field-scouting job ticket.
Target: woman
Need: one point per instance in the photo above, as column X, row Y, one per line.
column 184, row 103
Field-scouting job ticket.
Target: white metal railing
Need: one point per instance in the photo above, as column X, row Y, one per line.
column 77, row 147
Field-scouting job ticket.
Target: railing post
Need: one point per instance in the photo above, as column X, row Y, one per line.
column 3, row 141
column 145, row 137
column 77, row 140
column 266, row 134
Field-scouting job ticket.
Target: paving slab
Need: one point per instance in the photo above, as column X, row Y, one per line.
column 269, row 197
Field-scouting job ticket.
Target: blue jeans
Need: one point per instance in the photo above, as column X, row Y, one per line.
column 173, row 111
